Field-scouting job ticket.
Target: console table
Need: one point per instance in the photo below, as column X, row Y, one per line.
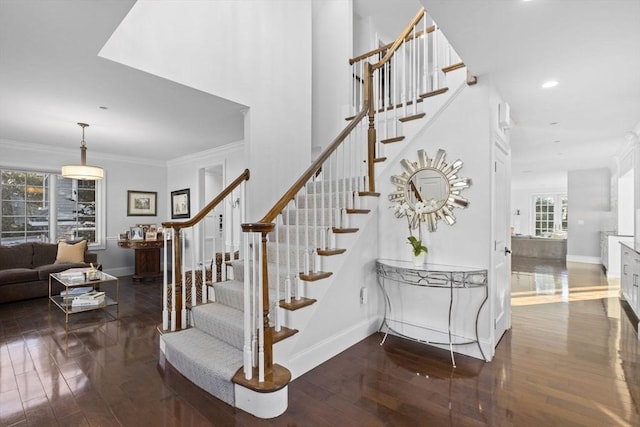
column 147, row 257
column 437, row 278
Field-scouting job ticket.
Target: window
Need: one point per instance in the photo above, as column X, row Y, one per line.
column 551, row 214
column 44, row 207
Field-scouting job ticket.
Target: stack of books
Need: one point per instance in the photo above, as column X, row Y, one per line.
column 92, row 298
column 69, row 294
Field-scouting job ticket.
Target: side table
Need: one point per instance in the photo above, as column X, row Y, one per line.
column 73, row 278
column 147, row 258
column 437, row 278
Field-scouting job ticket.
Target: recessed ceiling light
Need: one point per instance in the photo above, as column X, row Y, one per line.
column 553, row 123
column 527, row 171
column 549, row 84
column 102, row 107
column 556, row 141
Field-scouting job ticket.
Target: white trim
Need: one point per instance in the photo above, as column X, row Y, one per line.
column 73, row 153
column 223, row 149
column 583, row 259
column 322, row 351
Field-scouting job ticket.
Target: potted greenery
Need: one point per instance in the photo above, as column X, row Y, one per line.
column 418, row 250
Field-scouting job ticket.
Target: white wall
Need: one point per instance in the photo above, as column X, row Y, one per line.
column 589, row 213
column 465, row 131
column 121, row 175
column 332, row 46
column 254, row 53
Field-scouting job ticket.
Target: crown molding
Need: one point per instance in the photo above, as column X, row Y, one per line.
column 216, row 151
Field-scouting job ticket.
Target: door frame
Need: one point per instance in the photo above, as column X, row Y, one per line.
column 499, row 143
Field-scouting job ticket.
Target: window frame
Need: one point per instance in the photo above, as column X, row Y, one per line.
column 100, row 208
column 559, row 223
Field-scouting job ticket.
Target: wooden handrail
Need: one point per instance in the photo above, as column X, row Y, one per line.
column 384, row 48
column 308, row 174
column 212, row 204
column 400, row 39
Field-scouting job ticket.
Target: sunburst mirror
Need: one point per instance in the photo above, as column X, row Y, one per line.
column 428, row 190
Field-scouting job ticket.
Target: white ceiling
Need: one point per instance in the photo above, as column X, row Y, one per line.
column 51, row 78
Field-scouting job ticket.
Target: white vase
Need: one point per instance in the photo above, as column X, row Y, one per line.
column 418, row 260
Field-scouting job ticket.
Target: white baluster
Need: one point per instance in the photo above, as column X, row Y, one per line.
column 276, row 313
column 248, row 366
column 260, row 319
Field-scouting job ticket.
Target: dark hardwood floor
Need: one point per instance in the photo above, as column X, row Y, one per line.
column 572, row 358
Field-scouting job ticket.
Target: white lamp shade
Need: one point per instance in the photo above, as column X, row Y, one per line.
column 82, row 172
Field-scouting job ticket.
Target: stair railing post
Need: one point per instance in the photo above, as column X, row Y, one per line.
column 371, row 135
column 177, row 276
column 268, row 332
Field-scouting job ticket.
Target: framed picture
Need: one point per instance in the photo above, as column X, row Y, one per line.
column 180, row 204
column 142, row 203
column 151, row 235
column 136, row 233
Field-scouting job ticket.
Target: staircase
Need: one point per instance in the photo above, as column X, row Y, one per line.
column 244, row 338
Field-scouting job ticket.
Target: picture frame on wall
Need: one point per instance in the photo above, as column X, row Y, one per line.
column 142, row 203
column 180, row 204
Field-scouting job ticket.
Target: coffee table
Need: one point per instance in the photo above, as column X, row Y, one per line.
column 77, row 277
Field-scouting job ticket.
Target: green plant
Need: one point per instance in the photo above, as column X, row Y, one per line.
column 417, row 246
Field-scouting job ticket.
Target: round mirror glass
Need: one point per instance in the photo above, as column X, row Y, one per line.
column 428, row 186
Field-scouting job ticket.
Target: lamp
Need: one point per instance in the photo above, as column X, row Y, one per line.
column 82, row 171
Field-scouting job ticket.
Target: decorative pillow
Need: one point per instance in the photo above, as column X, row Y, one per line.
column 71, row 253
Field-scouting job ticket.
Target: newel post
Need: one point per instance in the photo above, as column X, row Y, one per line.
column 268, row 332
column 264, row 228
column 371, row 133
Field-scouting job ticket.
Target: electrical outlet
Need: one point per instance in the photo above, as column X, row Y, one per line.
column 364, row 296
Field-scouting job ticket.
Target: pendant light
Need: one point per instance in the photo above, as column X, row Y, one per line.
column 82, row 171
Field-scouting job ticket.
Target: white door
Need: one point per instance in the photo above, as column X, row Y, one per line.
column 501, row 295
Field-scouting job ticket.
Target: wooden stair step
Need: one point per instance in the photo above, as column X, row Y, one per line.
column 277, row 379
column 358, row 211
column 391, row 140
column 412, row 117
column 312, row 277
column 283, row 334
column 344, row 230
column 379, row 159
column 330, row 252
column 453, row 67
column 434, row 93
column 368, row 194
column 296, row 304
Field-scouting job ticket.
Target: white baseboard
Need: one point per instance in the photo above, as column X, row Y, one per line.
column 311, row 357
column 584, row 259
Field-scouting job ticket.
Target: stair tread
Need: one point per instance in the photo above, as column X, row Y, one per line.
column 330, row 252
column 391, row 140
column 434, row 92
column 207, row 361
column 221, row 321
column 412, row 117
column 338, row 230
column 312, row 277
column 453, row 67
column 296, row 304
